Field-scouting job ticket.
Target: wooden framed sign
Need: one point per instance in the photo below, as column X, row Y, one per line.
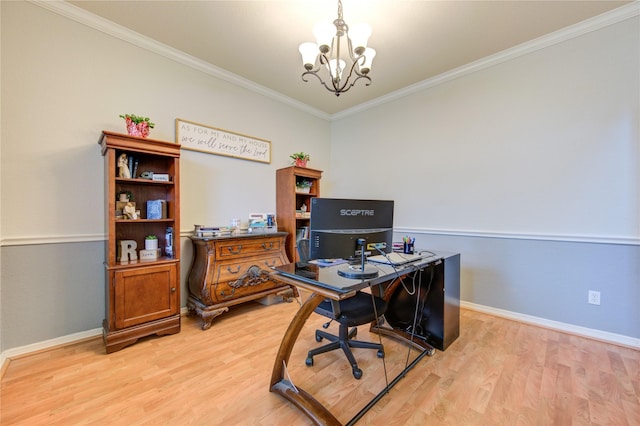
column 198, row 137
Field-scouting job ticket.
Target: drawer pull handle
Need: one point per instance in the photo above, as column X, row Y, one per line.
column 233, row 272
column 269, row 247
column 173, row 289
column 253, row 277
column 235, row 251
column 270, row 264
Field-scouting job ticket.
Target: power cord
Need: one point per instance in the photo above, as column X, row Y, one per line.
column 397, row 271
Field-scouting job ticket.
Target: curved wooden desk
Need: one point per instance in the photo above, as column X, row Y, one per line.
column 279, row 383
column 328, row 286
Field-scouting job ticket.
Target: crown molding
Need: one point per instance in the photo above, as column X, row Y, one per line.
column 118, row 31
column 93, row 21
column 592, row 24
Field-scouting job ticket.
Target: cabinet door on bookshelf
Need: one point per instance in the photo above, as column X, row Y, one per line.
column 145, row 294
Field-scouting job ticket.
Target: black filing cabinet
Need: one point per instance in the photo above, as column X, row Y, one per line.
column 438, row 321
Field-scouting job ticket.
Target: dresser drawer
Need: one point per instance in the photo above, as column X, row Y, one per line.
column 239, row 278
column 244, row 248
column 244, row 287
column 234, row 270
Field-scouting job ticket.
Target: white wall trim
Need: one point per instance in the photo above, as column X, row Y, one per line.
column 587, row 239
column 93, row 21
column 7, row 355
column 48, row 344
column 53, row 239
column 593, row 24
column 617, row 339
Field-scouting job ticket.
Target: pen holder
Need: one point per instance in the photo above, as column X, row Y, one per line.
column 408, row 248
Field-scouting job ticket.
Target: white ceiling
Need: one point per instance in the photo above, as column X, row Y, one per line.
column 415, row 39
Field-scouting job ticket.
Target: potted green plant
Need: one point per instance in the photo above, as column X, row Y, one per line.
column 138, row 125
column 300, row 158
column 150, row 242
column 303, row 186
column 125, row 196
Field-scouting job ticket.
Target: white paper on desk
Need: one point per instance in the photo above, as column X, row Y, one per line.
column 327, row 262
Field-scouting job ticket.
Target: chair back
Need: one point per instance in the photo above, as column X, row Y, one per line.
column 303, row 249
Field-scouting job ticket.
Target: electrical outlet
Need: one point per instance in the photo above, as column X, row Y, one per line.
column 594, row 297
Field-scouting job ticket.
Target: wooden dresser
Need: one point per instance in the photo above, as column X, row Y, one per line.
column 227, row 271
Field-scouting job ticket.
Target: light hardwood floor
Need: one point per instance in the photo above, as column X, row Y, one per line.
column 498, row 372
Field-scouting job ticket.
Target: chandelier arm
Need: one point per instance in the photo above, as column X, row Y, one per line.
column 353, row 69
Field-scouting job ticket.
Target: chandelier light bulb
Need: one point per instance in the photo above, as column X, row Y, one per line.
column 309, row 52
column 359, row 35
column 335, row 68
column 324, row 32
column 369, row 54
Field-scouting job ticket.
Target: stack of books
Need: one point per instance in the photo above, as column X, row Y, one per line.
column 302, row 233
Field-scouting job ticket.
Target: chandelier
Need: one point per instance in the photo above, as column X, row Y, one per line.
column 328, row 57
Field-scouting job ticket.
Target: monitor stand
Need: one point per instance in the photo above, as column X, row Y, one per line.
column 362, row 271
column 358, row 271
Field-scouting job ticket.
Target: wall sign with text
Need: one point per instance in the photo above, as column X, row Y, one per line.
column 198, row 137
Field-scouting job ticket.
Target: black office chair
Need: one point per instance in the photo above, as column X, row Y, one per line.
column 351, row 312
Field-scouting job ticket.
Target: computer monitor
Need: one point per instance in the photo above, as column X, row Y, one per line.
column 337, row 224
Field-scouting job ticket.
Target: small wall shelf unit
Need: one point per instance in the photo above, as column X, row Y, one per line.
column 142, row 295
column 291, row 216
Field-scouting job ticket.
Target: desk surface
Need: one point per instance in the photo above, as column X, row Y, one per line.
column 328, row 278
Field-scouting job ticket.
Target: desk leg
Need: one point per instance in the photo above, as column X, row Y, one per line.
column 279, row 384
column 416, row 341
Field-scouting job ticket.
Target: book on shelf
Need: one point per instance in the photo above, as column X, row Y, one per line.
column 156, row 209
column 302, row 233
column 130, row 164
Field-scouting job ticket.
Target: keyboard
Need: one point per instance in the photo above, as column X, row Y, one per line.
column 395, row 259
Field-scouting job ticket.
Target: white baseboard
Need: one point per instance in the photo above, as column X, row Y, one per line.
column 52, row 343
column 603, row 336
column 47, row 344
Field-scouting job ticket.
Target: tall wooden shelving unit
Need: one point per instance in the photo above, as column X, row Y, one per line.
column 288, row 200
column 142, row 296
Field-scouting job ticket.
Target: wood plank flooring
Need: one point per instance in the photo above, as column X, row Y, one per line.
column 498, row 372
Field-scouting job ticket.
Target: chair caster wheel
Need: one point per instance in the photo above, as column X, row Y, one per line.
column 309, row 362
column 357, row 373
column 380, row 353
column 318, row 338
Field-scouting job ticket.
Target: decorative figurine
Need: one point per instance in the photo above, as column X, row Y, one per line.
column 128, row 250
column 129, row 210
column 123, row 168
